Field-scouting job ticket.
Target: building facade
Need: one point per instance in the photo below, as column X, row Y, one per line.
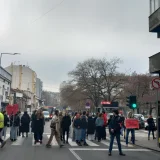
column 5, row 86
column 24, row 79
column 154, row 18
column 39, row 89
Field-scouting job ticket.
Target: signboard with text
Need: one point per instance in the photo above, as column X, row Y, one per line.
column 109, row 104
column 132, row 123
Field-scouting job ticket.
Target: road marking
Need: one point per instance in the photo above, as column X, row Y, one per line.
column 90, row 143
column 37, row 144
column 18, row 142
column 72, row 143
column 7, row 136
column 54, row 142
column 107, row 143
column 103, row 149
column 124, row 144
column 75, row 154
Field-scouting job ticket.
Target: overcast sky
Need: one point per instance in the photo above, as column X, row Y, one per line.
column 52, row 43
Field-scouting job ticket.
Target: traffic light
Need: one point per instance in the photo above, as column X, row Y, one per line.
column 132, row 102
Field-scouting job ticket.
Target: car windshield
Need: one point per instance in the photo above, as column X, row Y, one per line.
column 45, row 113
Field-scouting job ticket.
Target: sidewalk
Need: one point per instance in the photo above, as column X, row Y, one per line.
column 151, row 144
column 144, row 143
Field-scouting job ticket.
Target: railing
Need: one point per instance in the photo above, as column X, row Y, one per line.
column 154, row 5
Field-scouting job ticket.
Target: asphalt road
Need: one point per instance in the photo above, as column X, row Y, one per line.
column 24, row 149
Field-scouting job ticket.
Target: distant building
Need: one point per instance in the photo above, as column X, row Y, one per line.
column 39, row 89
column 24, row 79
column 5, row 86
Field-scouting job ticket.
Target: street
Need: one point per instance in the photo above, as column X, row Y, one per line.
column 24, row 149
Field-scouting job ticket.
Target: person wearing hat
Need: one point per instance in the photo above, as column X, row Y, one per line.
column 114, row 129
column 1, row 129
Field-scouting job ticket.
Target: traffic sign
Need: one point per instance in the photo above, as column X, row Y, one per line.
column 88, row 105
column 156, row 83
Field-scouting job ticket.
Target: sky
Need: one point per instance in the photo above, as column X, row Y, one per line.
column 54, row 35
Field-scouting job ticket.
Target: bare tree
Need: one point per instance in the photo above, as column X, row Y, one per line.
column 99, row 78
column 138, row 85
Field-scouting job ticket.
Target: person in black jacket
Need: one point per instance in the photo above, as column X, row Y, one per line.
column 91, row 127
column 6, row 121
column 114, row 129
column 38, row 126
column 25, row 121
column 151, row 127
column 66, row 122
column 14, row 123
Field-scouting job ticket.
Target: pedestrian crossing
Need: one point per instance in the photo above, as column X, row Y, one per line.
column 22, row 141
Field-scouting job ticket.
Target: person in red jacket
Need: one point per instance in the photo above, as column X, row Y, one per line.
column 104, row 126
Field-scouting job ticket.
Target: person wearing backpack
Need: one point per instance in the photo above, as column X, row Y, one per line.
column 84, row 126
column 55, row 130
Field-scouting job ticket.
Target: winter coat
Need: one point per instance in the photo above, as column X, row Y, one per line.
column 99, row 122
column 55, row 123
column 1, row 120
column 105, row 119
column 77, row 123
column 66, row 122
column 6, row 120
column 115, row 124
column 25, row 121
column 91, row 125
column 151, row 124
column 84, row 122
column 38, row 124
column 15, row 121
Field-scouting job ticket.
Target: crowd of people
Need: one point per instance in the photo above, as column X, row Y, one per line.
column 83, row 125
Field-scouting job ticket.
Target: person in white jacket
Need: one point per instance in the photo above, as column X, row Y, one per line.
column 55, row 130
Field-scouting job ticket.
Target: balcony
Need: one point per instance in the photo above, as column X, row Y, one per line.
column 154, row 21
column 5, row 75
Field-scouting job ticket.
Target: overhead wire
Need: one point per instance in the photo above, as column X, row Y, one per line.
column 43, row 15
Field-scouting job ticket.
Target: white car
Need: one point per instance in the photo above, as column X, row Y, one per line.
column 46, row 115
column 139, row 115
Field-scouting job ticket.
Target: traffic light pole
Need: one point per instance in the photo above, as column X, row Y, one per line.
column 158, row 118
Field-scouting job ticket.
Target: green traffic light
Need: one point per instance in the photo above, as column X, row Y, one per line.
column 134, row 105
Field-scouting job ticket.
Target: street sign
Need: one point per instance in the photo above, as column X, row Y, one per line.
column 87, row 105
column 156, row 83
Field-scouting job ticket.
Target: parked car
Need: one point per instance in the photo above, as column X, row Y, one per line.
column 141, row 122
column 139, row 115
column 46, row 115
column 146, row 124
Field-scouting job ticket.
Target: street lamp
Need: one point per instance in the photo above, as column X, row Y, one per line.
column 13, row 54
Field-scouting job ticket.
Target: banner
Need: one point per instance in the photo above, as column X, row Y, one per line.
column 12, row 109
column 132, row 123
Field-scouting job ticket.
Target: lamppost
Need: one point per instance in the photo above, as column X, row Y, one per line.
column 13, row 54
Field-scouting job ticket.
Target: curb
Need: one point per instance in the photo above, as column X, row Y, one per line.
column 152, row 149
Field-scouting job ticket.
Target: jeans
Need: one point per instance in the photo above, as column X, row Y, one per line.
column 38, row 136
column 149, row 132
column 132, row 135
column 112, row 136
column 13, row 132
column 77, row 134
column 4, row 131
column 83, row 135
